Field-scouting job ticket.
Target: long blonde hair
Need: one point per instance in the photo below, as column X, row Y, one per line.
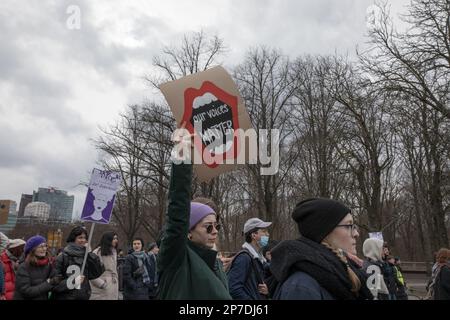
column 356, row 283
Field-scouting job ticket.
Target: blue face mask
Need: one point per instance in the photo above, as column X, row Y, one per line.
column 264, row 241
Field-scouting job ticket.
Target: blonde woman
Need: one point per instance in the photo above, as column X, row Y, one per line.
column 315, row 266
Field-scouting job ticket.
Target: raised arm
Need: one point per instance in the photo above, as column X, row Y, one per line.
column 174, row 240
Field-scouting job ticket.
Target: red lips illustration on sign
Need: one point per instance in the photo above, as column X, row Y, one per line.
column 213, row 114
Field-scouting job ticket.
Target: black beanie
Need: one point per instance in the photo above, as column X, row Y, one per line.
column 317, row 217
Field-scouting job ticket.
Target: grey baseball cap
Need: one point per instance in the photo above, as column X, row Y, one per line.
column 255, row 223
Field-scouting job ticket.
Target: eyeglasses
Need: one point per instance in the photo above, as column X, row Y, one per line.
column 43, row 245
column 353, row 227
column 209, row 227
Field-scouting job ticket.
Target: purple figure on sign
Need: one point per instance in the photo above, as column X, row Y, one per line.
column 100, row 197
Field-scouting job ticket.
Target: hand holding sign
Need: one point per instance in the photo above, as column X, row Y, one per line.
column 208, row 104
column 184, row 144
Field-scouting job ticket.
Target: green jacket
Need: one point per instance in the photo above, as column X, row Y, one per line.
column 187, row 271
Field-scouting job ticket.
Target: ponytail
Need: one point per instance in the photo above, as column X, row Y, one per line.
column 356, row 283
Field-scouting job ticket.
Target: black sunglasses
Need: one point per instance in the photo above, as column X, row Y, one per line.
column 209, row 227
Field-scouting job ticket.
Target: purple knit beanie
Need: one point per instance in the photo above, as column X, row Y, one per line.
column 33, row 242
column 198, row 212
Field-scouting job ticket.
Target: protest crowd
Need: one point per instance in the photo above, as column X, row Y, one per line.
column 321, row 264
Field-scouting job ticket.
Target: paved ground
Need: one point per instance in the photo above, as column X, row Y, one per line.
column 416, row 284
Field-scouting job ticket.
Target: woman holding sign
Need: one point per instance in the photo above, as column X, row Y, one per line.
column 187, row 264
column 75, row 286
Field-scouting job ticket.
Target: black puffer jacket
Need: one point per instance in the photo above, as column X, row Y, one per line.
column 307, row 270
column 73, row 255
column 31, row 282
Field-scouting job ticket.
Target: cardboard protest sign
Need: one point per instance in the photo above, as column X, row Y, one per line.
column 209, row 104
column 100, row 196
column 376, row 235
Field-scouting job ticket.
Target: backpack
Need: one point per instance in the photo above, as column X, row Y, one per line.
column 253, row 266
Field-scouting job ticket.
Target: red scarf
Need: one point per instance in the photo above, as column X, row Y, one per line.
column 42, row 262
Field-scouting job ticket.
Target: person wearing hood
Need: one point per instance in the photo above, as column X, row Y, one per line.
column 188, row 267
column 373, row 266
column 35, row 277
column 246, row 273
column 10, row 260
column 315, row 266
column 74, row 286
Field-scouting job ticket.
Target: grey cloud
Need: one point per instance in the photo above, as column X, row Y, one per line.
column 31, row 26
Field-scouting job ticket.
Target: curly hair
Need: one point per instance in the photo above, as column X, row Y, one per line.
column 442, row 256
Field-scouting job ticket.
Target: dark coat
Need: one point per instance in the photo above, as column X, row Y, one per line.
column 120, row 265
column 186, row 270
column 301, row 286
column 153, row 287
column 390, row 277
column 442, row 284
column 134, row 287
column 244, row 275
column 31, row 282
column 73, row 256
column 364, row 293
column 381, row 266
column 401, row 293
column 308, row 270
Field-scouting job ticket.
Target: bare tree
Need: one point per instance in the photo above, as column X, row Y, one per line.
column 197, row 52
column 267, row 87
column 368, row 144
column 417, row 61
column 318, row 126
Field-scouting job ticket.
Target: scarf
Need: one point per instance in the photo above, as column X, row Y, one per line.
column 256, row 255
column 42, row 262
column 315, row 260
column 142, row 257
column 75, row 251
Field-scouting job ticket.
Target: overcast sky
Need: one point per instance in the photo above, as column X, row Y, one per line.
column 58, row 85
